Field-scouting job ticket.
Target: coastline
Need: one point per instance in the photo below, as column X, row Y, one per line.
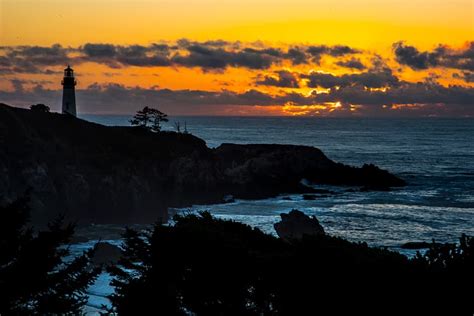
column 100, row 174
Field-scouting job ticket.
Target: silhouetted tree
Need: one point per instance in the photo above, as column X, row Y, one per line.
column 149, row 118
column 35, row 279
column 39, row 107
column 177, row 126
column 185, row 128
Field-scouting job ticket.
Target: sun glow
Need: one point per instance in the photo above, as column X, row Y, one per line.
column 311, row 110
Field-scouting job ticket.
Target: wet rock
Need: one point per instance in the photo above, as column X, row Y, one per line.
column 296, row 224
column 106, row 253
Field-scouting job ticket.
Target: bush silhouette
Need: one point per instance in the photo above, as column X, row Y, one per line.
column 39, row 108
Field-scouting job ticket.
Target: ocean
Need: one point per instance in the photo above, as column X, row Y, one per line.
column 434, row 156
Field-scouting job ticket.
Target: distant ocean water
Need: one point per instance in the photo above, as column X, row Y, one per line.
column 435, row 156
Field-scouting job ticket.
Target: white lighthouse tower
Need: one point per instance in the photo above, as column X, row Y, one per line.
column 69, row 94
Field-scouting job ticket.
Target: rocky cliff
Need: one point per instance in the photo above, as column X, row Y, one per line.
column 95, row 173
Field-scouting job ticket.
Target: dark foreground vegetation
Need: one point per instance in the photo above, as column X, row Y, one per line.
column 35, row 278
column 206, row 266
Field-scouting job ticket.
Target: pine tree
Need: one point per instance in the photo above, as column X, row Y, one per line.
column 35, row 277
column 149, row 118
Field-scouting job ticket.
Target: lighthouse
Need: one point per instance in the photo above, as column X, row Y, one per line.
column 69, row 93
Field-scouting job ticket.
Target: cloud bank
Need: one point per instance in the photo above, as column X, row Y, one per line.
column 208, row 55
column 366, row 84
column 441, row 56
column 426, row 98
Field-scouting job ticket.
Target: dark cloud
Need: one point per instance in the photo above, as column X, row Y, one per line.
column 410, row 56
column 378, row 63
column 32, row 59
column 5, row 66
column 467, row 76
column 185, row 43
column 17, row 85
column 136, row 55
column 99, row 50
column 316, row 52
column 297, row 56
column 416, row 98
column 353, row 63
column 218, row 58
column 404, row 93
column 4, row 61
column 39, row 55
column 132, row 55
column 369, row 79
column 341, row 50
column 162, row 48
column 282, row 78
column 25, row 66
column 208, row 55
column 441, row 56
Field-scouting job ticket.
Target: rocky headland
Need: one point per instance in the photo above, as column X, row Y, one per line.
column 94, row 173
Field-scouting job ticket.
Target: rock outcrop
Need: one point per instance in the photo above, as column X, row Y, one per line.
column 100, row 174
column 296, row 224
column 106, row 253
column 419, row 245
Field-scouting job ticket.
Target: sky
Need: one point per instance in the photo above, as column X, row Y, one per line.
column 412, row 58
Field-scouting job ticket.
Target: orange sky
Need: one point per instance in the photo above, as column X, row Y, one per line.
column 369, row 23
column 371, row 26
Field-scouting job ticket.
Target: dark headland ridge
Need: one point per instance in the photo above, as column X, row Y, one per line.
column 95, row 173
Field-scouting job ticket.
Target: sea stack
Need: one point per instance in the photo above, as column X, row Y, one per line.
column 69, row 93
